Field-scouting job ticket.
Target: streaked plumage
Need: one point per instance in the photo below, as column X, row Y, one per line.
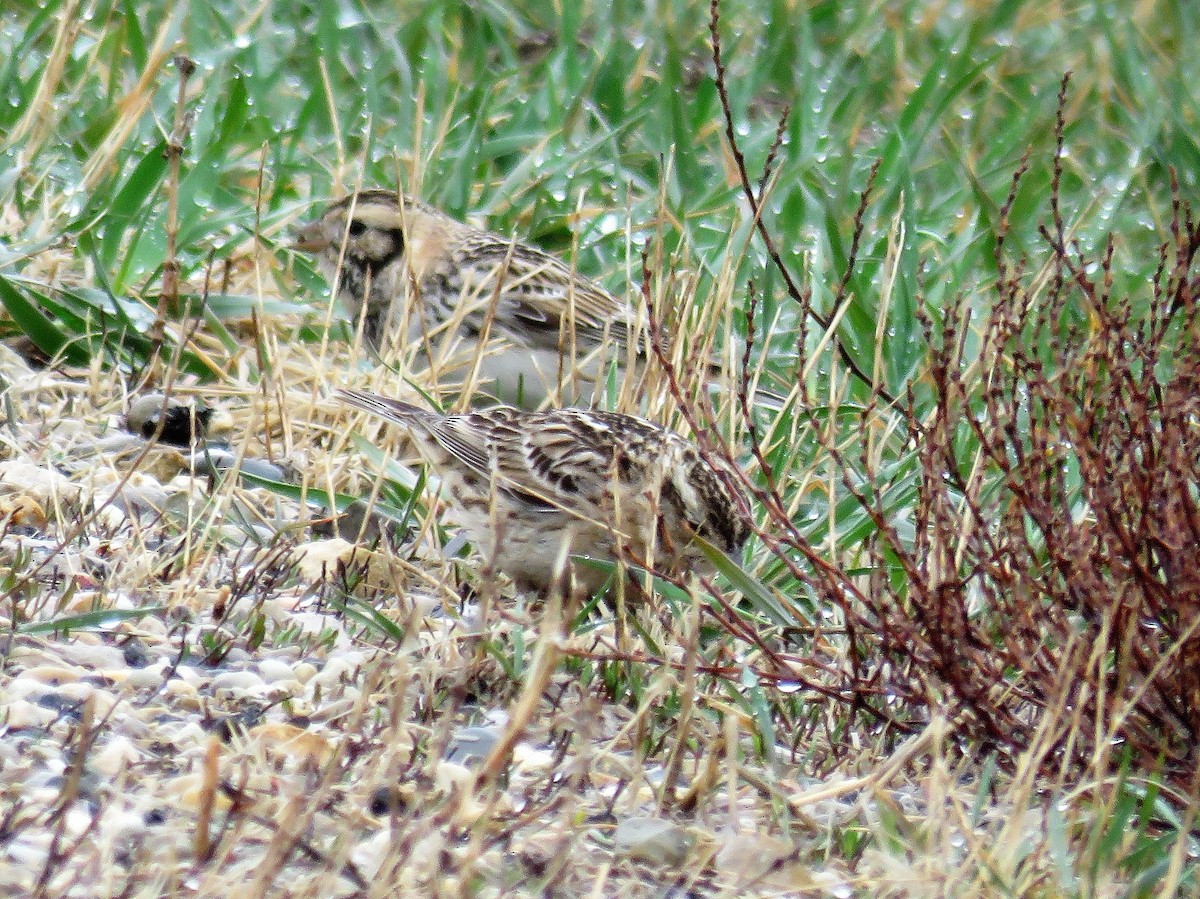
column 550, row 327
column 531, row 487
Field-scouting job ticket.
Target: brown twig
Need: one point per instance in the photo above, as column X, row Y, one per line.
column 799, row 295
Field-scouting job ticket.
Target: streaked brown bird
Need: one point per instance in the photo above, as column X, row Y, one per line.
column 419, row 277
column 533, row 488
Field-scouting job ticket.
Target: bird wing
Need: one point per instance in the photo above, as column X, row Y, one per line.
column 548, row 461
column 464, row 440
column 488, row 444
column 540, row 293
column 569, row 453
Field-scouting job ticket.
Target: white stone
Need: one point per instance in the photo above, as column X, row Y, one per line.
column 145, row 678
column 21, row 713
column 273, row 670
column 43, row 483
column 238, row 682
column 115, row 755
column 91, row 655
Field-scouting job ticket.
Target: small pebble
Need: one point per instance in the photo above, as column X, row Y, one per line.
column 472, row 745
column 92, row 655
column 53, row 675
column 19, row 714
column 114, row 756
column 304, row 671
column 273, row 670
column 246, row 682
column 652, row 841
column 144, row 678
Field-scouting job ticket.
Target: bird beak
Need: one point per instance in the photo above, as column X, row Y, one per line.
column 311, row 238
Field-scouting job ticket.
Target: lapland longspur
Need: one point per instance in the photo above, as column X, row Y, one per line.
column 549, row 330
column 532, row 488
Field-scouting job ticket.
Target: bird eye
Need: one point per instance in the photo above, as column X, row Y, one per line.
column 357, row 228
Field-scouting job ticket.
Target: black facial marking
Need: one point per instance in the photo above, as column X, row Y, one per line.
column 624, row 466
column 376, row 263
column 353, row 280
column 392, row 240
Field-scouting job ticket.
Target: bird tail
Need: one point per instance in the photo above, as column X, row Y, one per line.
column 393, row 410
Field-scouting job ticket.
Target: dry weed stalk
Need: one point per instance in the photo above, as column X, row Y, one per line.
column 1050, row 584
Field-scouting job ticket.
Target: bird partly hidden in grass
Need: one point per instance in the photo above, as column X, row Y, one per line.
column 532, row 489
column 533, row 326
